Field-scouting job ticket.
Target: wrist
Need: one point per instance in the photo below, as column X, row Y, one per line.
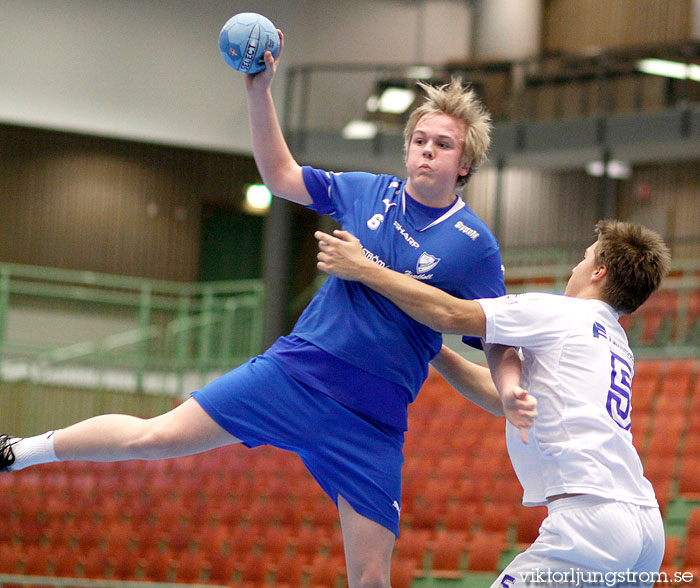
column 369, row 272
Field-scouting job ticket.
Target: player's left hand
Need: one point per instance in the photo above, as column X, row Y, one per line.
column 520, row 408
column 341, row 255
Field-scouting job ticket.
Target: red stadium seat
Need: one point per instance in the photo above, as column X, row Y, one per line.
column 691, row 553
column 693, row 523
column 11, row 558
column 192, row 567
column 413, row 545
column 36, row 561
column 222, row 570
column 461, row 516
column 159, row 567
column 309, row 541
column 485, row 552
column 672, row 551
column 496, row 516
column 448, row 550
column 402, row 574
column 253, row 569
column 288, row 569
column 689, row 478
column 213, row 540
column 659, row 468
column 64, row 562
column 425, row 514
column 528, row 520
column 323, row 513
column 325, row 572
column 335, row 547
column 276, row 540
column 127, row 565
column 95, row 563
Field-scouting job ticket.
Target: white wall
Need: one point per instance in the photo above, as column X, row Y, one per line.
column 695, row 19
column 507, row 30
column 151, row 70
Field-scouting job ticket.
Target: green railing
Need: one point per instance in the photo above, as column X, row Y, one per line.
column 60, row 320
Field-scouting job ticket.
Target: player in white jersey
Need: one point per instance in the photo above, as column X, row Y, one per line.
column 604, row 526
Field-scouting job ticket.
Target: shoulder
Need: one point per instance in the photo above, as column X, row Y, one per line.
column 466, row 222
column 346, row 177
column 551, row 309
column 362, row 177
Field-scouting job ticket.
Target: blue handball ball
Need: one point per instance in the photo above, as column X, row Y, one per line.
column 244, row 40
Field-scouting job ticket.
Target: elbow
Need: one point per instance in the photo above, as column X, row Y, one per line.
column 280, row 176
column 460, row 317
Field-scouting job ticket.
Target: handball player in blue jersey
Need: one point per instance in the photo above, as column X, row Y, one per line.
column 336, row 390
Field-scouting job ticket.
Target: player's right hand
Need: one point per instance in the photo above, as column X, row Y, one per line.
column 261, row 81
column 341, row 255
column 520, row 409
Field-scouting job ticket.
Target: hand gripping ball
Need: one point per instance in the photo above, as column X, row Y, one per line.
column 244, row 39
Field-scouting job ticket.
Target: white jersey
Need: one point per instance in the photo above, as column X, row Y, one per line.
column 577, row 363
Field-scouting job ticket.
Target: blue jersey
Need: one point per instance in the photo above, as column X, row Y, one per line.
column 450, row 248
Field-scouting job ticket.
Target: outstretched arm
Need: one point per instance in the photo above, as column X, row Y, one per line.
column 471, row 380
column 341, row 255
column 476, row 384
column 279, row 170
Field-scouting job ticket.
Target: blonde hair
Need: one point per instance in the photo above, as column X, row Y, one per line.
column 636, row 259
column 461, row 103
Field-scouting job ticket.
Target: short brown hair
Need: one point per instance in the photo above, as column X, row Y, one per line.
column 636, row 259
column 461, row 103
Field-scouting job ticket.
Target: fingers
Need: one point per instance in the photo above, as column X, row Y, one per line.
column 281, row 34
column 337, row 236
column 271, row 61
column 345, row 235
column 324, row 245
column 323, row 238
column 525, row 406
column 523, row 434
column 526, row 403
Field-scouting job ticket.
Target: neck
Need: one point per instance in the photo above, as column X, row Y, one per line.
column 434, row 199
column 590, row 292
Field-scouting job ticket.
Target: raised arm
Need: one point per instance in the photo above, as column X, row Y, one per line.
column 279, row 170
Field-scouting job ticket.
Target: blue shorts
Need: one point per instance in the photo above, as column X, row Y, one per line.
column 346, row 452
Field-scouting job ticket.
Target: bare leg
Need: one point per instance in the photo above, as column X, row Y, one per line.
column 368, row 547
column 185, row 430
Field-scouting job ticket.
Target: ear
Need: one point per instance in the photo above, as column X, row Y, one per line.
column 600, row 273
column 463, row 172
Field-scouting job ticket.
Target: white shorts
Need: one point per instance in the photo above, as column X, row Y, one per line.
column 591, row 541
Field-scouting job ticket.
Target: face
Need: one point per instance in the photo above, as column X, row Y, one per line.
column 433, row 157
column 581, row 274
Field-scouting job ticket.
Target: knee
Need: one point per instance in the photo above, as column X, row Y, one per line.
column 374, row 579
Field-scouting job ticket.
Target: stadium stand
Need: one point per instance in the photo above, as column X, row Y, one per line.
column 260, row 520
